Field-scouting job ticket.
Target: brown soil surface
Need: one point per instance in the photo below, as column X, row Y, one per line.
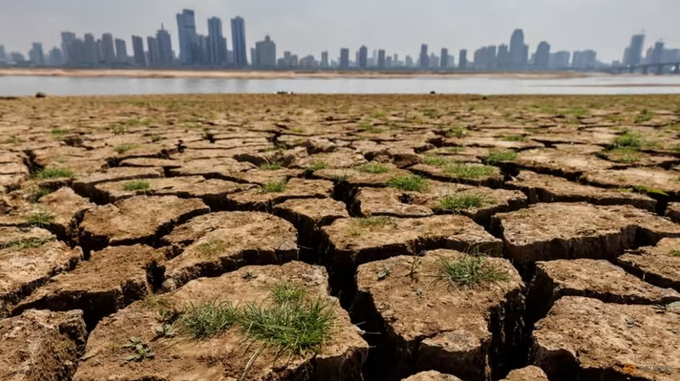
column 584, row 338
column 435, row 325
column 110, row 204
column 183, row 358
column 41, row 345
column 432, row 375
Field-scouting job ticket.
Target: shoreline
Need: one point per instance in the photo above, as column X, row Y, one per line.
column 252, row 74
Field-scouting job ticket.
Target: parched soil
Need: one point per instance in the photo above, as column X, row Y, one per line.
column 454, row 238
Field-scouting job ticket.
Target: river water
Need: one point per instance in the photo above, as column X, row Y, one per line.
column 459, row 84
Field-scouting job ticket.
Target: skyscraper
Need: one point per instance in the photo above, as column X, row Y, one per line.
column 67, row 47
column 634, row 56
column 108, row 52
column 444, row 59
column 36, row 54
column 381, row 59
column 2, row 53
column 324, row 59
column 658, row 52
column 186, row 27
column 217, row 49
column 121, row 51
column 138, row 51
column 265, row 53
column 518, row 50
column 424, row 58
column 165, row 55
column 344, row 58
column 238, row 38
column 559, row 60
column 388, row 61
column 55, row 57
column 363, row 57
column 90, row 50
column 462, row 60
column 408, row 61
column 154, row 55
column 586, row 59
column 542, row 55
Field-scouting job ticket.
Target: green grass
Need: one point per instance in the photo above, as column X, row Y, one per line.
column 316, row 166
column 455, row 149
column 644, row 116
column 209, row 319
column 366, row 126
column 271, row 166
column 409, row 183
column 117, row 130
column 25, row 243
column 156, row 138
column 40, row 218
column 39, row 192
column 458, row 202
column 59, row 131
column 14, row 139
column 359, row 225
column 138, row 185
column 674, row 253
column 121, row 149
column 579, row 111
column 469, row 171
column 459, row 132
column 212, row 248
column 53, row 173
column 498, row 156
column 435, row 160
column 513, row 138
column 373, row 168
column 469, row 271
column 630, row 140
column 622, row 155
column 273, row 187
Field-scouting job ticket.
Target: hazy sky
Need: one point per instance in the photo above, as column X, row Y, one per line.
column 400, row 26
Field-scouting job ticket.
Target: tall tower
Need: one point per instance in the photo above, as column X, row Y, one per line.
column 165, row 55
column 518, row 50
column 186, row 28
column 542, row 55
column 238, row 37
column 363, row 57
column 424, row 58
column 216, row 49
column 344, row 58
column 637, row 43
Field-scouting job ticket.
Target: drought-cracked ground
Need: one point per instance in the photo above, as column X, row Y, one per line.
column 300, row 237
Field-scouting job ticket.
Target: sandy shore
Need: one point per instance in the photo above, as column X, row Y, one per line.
column 242, row 74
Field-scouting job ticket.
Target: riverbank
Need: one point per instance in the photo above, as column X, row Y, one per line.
column 252, row 74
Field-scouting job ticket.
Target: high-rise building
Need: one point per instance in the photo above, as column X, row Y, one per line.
column 238, row 38
column 3, row 56
column 186, row 27
column 518, row 50
column 108, row 52
column 586, row 59
column 67, row 47
column 91, row 50
column 217, row 47
column 265, row 54
column 36, row 54
column 634, row 55
column 165, row 54
column 381, row 59
column 658, row 52
column 344, row 58
column 559, row 60
column 444, row 63
column 542, row 55
column 462, row 59
column 324, row 59
column 670, row 56
column 154, row 54
column 363, row 57
column 408, row 61
column 424, row 58
column 138, row 51
column 54, row 57
column 121, row 51
column 388, row 61
column 503, row 58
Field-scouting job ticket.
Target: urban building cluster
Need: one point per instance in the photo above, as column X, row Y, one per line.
column 195, row 50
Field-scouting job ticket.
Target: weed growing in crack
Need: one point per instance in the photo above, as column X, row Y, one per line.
column 630, row 140
column 271, row 166
column 139, row 185
column 315, row 166
column 53, row 173
column 165, row 330
column 140, row 349
column 459, row 132
column 373, row 168
column 436, row 161
column 59, row 131
column 410, row 183
column 40, row 218
column 513, row 138
column 208, row 319
column 212, row 248
column 644, row 116
column 273, row 187
column 621, row 155
column 25, row 243
column 499, row 156
column 458, row 202
column 122, row 148
column 156, row 138
column 37, row 193
column 469, row 171
column 674, row 253
column 469, row 271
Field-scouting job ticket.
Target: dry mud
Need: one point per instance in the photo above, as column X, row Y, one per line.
column 442, row 238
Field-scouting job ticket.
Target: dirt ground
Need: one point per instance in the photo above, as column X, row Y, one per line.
column 466, row 238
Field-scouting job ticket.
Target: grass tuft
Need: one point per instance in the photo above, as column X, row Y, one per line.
column 459, row 132
column 644, row 116
column 273, row 187
column 469, row 271
column 359, row 225
column 435, row 160
column 53, row 173
column 373, row 168
column 25, row 243
column 271, row 166
column 499, row 156
column 41, row 218
column 39, row 192
column 209, row 319
column 139, row 185
column 59, row 131
column 212, row 248
column 675, row 253
column 513, row 138
column 316, row 166
column 409, row 183
column 458, row 202
column 629, row 139
column 469, row 171
column 121, row 149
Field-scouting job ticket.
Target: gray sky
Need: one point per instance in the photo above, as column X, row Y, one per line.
column 400, row 26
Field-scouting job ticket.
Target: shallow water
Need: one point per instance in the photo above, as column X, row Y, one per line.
column 461, row 84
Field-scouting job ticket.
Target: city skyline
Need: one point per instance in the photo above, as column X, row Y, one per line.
column 604, row 26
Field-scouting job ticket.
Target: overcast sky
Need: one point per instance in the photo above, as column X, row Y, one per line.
column 400, row 26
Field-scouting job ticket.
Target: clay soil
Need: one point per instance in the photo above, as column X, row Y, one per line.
column 450, row 238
